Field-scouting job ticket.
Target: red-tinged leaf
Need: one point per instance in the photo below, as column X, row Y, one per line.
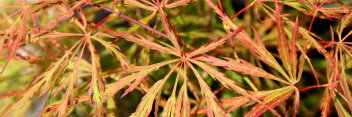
column 218, row 11
column 304, row 57
column 345, row 21
column 228, row 83
column 213, row 45
column 66, row 13
column 230, row 104
column 310, row 39
column 182, row 108
column 348, row 49
column 63, row 109
column 59, row 67
column 170, row 107
column 176, row 3
column 293, row 51
column 70, row 91
column 343, row 79
column 273, row 100
column 131, row 69
column 119, row 34
column 10, row 6
column 60, row 87
column 174, row 37
column 145, row 106
column 96, row 86
column 213, row 107
column 346, row 37
column 12, row 47
column 233, row 103
column 24, row 100
column 215, row 74
column 104, row 34
column 10, row 94
column 259, row 51
column 112, row 88
column 325, row 103
column 59, row 34
column 152, row 45
column 53, row 107
column 141, row 41
column 242, row 67
column 281, row 42
column 113, row 51
column 12, row 50
column 317, row 9
column 137, row 4
column 341, row 111
column 296, row 103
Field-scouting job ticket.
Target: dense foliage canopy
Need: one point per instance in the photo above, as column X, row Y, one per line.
column 175, row 58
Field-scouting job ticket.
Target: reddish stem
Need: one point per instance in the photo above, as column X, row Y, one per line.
column 238, row 13
column 101, row 21
column 310, row 87
column 38, row 3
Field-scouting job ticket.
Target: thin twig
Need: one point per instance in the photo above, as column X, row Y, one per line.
column 119, row 14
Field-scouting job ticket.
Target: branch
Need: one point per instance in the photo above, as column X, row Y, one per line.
column 119, row 14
